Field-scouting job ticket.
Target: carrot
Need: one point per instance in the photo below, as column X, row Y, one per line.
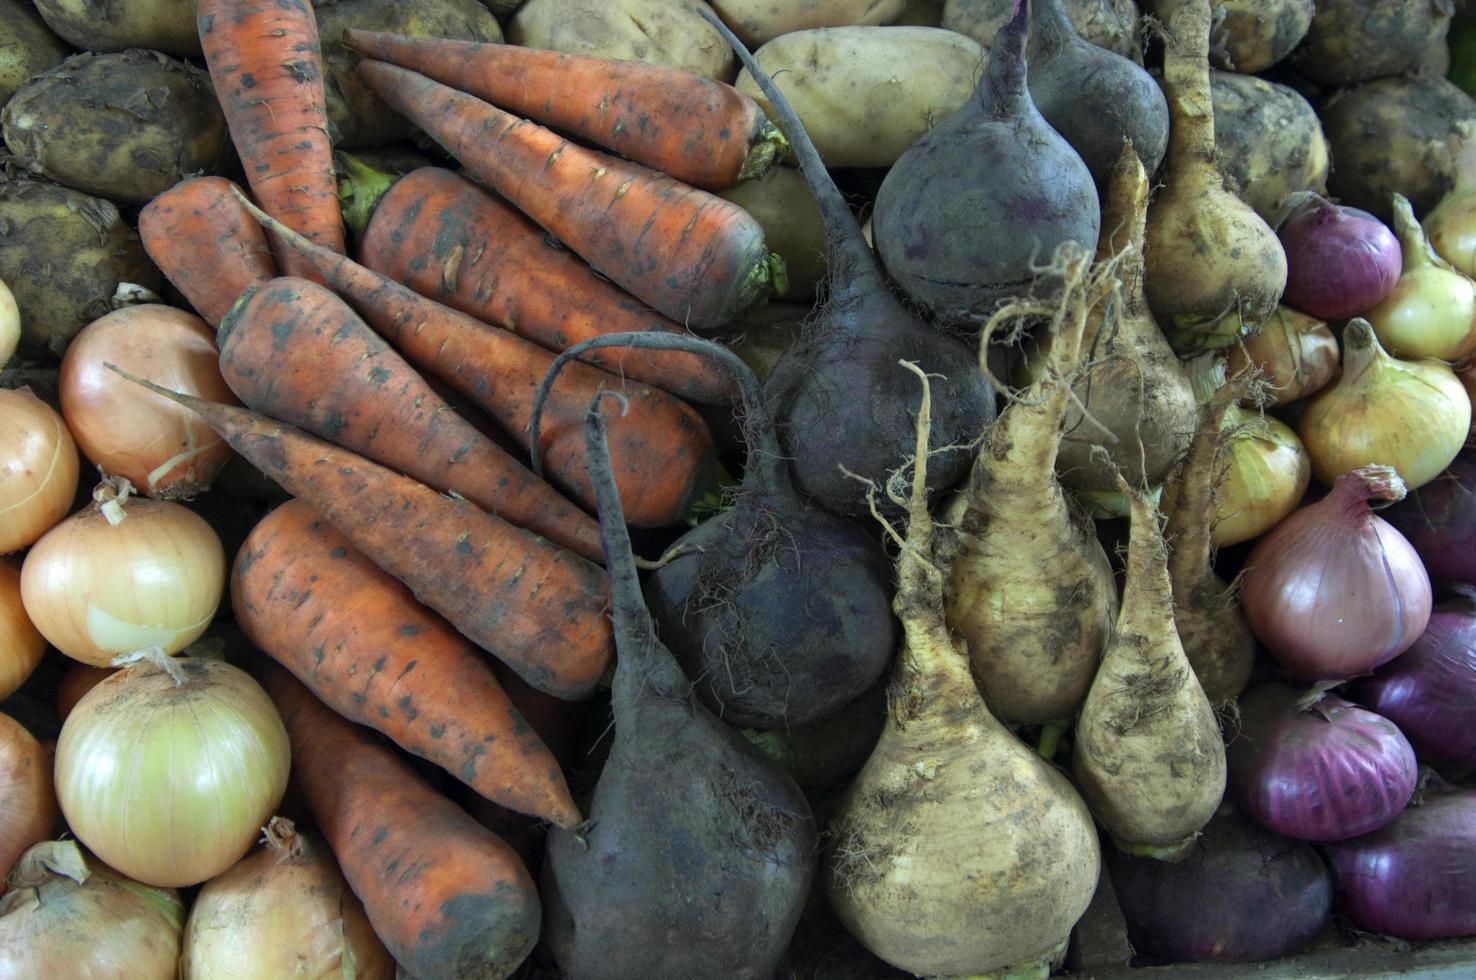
column 267, row 69
column 664, row 458
column 206, row 244
column 446, row 238
column 355, row 636
column 693, row 256
column 532, row 604
column 448, row 898
column 293, row 350
column 701, row 132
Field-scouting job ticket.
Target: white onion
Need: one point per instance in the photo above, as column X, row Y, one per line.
column 38, row 468
column 9, row 324
column 21, row 645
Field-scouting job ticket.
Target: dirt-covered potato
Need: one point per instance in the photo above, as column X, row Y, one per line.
column 866, row 93
column 1111, row 23
column 124, row 126
column 27, row 46
column 659, row 32
column 356, row 116
column 1268, row 139
column 783, row 205
column 1359, row 40
column 1396, row 134
column 117, row 25
column 759, row 21
column 69, row 258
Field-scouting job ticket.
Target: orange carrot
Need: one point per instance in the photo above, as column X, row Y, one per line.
column 663, row 453
column 446, row 238
column 293, row 350
column 206, row 244
column 693, row 256
column 368, row 650
column 532, row 604
column 699, row 131
column 447, row 897
column 267, row 68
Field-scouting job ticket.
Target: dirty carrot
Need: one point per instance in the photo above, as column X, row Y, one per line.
column 663, row 453
column 699, row 131
column 294, row 351
column 446, row 238
column 267, row 68
column 537, row 607
column 206, row 244
column 689, row 254
column 447, row 897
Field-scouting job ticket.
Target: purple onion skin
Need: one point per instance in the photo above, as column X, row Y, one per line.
column 1414, row 879
column 1331, row 772
column 1242, row 894
column 1340, row 261
column 1429, row 691
column 1439, row 519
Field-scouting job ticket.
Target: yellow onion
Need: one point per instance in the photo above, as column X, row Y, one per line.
column 1451, row 224
column 21, row 646
column 69, row 916
column 1297, row 355
column 27, row 803
column 75, row 684
column 167, row 770
column 9, row 324
column 1432, row 310
column 124, row 575
column 38, row 468
column 284, row 910
column 1382, row 411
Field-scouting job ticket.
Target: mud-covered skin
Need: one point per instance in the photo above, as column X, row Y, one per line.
column 759, row 21
column 1268, row 140
column 658, row 32
column 64, row 255
column 1351, row 41
column 117, row 25
column 1396, row 135
column 1252, row 35
column 124, row 126
column 1112, row 24
column 27, row 46
column 780, row 200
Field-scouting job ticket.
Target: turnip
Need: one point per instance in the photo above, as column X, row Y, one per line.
column 835, row 394
column 1031, row 592
column 1353, row 41
column 1268, row 141
column 964, row 217
column 957, row 850
column 698, row 852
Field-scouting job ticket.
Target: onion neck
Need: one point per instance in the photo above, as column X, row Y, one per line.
column 1350, row 496
column 111, row 495
column 1186, row 80
column 1414, row 245
column 1361, row 352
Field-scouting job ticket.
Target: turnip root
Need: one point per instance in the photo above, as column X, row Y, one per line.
column 1209, row 253
column 1031, row 592
column 1268, row 140
column 1111, row 24
column 1252, row 35
column 957, row 850
column 1353, row 41
column 1148, row 756
column 965, row 216
column 698, row 852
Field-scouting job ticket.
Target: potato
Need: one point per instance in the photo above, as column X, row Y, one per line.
column 659, row 32
column 27, row 47
column 117, row 25
column 68, row 258
column 1268, row 138
column 1353, row 41
column 356, row 116
column 759, row 21
column 1111, row 23
column 781, row 202
column 123, row 126
column 866, row 93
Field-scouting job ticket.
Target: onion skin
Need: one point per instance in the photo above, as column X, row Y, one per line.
column 38, row 469
column 75, row 683
column 1431, row 311
column 1439, row 519
column 1334, row 591
column 1340, row 260
column 21, row 645
column 1213, row 905
column 28, row 812
column 1415, row 878
column 9, row 324
column 1429, row 691
column 1296, row 353
column 1267, row 472
column 1326, row 772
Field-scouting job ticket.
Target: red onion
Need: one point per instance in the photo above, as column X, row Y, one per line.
column 1242, row 894
column 1416, row 877
column 1317, row 768
column 1430, row 690
column 1340, row 261
column 1440, row 521
column 1334, row 590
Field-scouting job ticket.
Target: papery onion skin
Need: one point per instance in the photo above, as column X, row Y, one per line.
column 1439, row 519
column 1267, row 474
column 1340, row 260
column 1414, row 878
column 1429, row 691
column 28, row 810
column 97, row 591
column 170, row 784
column 38, row 468
column 1431, row 312
column 1241, row 895
column 1297, row 354
column 1334, row 591
column 21, row 644
column 1327, row 772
